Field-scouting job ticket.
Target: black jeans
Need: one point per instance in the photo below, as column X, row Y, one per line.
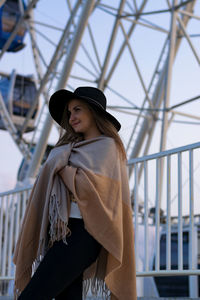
column 60, row 274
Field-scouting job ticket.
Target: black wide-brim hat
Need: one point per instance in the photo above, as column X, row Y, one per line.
column 91, row 95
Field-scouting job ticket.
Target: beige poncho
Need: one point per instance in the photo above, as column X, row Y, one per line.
column 94, row 173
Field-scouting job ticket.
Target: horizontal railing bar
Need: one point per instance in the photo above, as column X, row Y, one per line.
column 131, row 161
column 15, row 191
column 168, row 273
column 164, row 153
column 6, row 278
column 145, row 273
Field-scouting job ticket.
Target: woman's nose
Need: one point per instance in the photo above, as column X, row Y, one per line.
column 72, row 117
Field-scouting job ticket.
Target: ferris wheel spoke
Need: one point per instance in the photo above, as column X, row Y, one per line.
column 107, row 56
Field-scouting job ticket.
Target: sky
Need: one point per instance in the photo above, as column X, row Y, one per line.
column 147, row 45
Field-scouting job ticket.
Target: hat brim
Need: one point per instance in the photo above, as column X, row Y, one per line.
column 60, row 98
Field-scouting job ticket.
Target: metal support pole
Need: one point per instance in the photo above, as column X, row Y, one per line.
column 11, row 92
column 50, row 68
column 157, row 98
column 8, row 123
column 110, row 47
column 188, row 39
column 148, row 125
column 41, row 145
column 136, row 65
column 168, row 77
column 130, row 31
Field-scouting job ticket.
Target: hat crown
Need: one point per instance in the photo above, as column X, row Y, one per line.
column 91, row 93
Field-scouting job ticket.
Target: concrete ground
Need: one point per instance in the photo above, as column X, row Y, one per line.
column 139, row 298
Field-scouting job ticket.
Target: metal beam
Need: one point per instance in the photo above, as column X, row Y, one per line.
column 136, row 65
column 52, row 65
column 8, row 123
column 170, row 61
column 149, row 126
column 188, row 39
column 124, row 44
column 66, row 70
column 110, row 47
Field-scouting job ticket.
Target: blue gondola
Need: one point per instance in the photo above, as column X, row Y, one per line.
column 9, row 14
column 18, row 93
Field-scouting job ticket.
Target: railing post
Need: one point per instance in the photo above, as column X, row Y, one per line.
column 146, row 217
column 180, row 220
column 157, row 249
column 193, row 243
column 136, row 214
column 168, row 246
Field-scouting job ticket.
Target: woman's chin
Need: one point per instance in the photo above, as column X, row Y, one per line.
column 77, row 130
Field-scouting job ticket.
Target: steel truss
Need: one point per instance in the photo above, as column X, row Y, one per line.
column 80, row 56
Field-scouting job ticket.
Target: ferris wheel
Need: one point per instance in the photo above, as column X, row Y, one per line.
column 144, row 55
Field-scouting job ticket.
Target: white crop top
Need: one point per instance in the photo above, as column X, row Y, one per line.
column 75, row 211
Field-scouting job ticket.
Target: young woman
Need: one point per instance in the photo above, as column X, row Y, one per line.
column 77, row 232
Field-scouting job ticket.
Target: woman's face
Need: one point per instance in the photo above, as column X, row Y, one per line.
column 81, row 119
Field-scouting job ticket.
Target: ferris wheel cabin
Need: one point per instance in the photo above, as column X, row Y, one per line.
column 18, row 93
column 10, row 12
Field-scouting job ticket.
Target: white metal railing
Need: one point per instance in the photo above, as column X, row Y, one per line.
column 178, row 191
column 177, row 194
column 12, row 209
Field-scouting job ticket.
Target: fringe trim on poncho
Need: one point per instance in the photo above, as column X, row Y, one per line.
column 97, row 288
column 58, row 228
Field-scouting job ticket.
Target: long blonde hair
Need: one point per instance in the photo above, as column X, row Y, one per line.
column 68, row 135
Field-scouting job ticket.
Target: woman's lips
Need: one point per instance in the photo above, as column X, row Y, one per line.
column 75, row 124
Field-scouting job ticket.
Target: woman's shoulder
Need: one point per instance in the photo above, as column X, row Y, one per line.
column 107, row 143
column 59, row 149
column 110, row 148
column 108, row 140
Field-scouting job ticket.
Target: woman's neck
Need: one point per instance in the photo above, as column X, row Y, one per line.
column 92, row 134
